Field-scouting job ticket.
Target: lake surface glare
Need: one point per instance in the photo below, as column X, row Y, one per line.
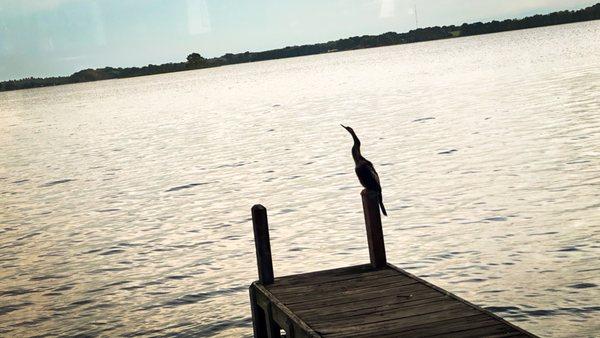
column 125, row 204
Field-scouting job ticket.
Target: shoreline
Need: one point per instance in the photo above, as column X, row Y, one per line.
column 196, row 61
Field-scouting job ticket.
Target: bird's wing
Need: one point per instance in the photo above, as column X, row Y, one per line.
column 373, row 172
column 368, row 176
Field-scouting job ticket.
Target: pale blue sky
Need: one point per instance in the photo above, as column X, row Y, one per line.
column 59, row 37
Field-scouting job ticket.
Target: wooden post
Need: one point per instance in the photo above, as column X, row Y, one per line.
column 259, row 320
column 370, row 202
column 262, row 244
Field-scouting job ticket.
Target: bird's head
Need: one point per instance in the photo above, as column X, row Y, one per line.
column 356, row 147
column 350, row 130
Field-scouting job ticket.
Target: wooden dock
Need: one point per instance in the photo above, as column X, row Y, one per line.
column 371, row 300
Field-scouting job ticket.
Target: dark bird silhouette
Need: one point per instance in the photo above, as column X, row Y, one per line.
column 364, row 169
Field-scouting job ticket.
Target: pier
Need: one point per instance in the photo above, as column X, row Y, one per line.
column 370, row 300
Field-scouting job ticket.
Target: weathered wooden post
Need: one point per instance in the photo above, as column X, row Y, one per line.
column 262, row 244
column 370, row 202
column 259, row 321
column 262, row 319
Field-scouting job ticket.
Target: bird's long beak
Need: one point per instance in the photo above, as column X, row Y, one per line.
column 343, row 126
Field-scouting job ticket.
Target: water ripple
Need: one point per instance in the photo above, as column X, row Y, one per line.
column 49, row 184
column 187, row 186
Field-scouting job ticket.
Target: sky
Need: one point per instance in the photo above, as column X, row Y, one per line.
column 42, row 38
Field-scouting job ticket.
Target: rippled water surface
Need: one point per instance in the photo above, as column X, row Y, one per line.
column 125, row 204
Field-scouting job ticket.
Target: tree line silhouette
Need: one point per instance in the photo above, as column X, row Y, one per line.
column 196, row 61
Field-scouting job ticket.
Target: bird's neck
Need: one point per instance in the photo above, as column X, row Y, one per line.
column 356, row 155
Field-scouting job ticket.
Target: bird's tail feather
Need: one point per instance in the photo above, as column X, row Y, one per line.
column 381, row 205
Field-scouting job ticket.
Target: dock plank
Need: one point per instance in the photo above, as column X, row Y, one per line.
column 498, row 330
column 338, row 295
column 398, row 292
column 363, row 316
column 394, row 320
column 358, row 309
column 338, row 285
column 327, row 276
column 452, row 326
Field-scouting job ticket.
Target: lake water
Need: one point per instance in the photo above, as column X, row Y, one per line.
column 125, row 204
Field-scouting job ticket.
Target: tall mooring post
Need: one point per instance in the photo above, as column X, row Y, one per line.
column 262, row 319
column 370, row 200
column 262, row 243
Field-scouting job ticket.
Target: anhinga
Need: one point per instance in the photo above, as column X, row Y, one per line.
column 364, row 169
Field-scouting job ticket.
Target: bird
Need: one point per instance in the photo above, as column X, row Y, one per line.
column 367, row 176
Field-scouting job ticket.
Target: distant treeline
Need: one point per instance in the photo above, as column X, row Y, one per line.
column 196, row 61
